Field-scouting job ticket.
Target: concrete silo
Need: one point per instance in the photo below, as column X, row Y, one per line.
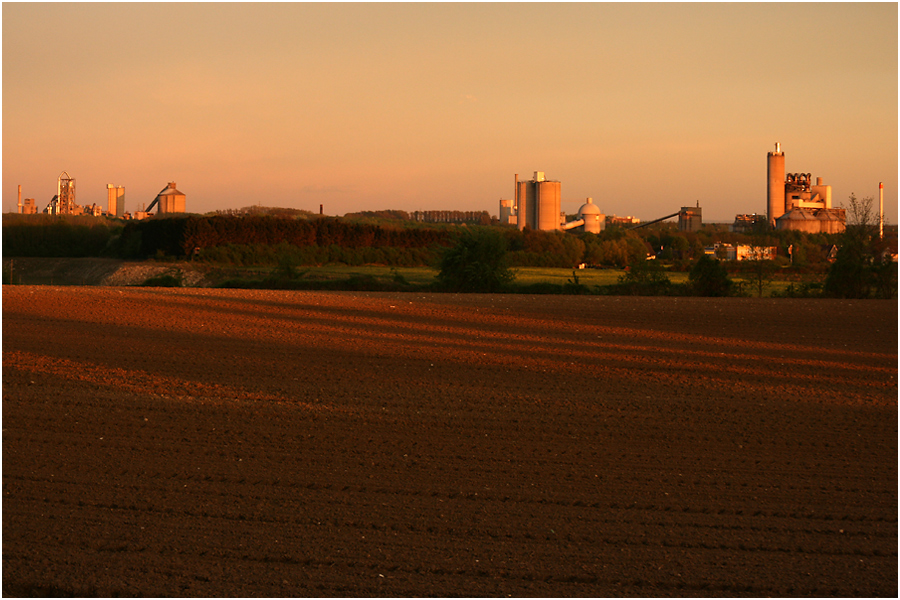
column 115, row 198
column 539, row 202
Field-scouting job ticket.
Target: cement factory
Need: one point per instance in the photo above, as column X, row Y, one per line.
column 793, row 202
column 168, row 200
column 536, row 205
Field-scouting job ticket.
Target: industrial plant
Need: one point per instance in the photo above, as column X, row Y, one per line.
column 536, row 205
column 168, row 200
column 794, row 203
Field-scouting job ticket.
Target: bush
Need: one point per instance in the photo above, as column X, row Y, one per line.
column 477, row 263
column 167, row 280
column 861, row 268
column 644, row 278
column 801, row 290
column 709, row 277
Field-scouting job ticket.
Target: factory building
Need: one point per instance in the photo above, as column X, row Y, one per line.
column 794, row 203
column 507, row 212
column 690, row 218
column 115, row 200
column 741, row 252
column 27, row 207
column 170, row 200
column 624, row 221
column 451, row 216
column 748, row 223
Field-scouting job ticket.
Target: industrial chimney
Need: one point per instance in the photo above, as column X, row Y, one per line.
column 775, row 200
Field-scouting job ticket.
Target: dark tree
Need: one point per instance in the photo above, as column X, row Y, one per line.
column 862, row 268
column 476, row 263
column 709, row 277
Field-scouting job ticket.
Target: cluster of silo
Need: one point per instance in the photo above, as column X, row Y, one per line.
column 115, row 198
column 538, row 203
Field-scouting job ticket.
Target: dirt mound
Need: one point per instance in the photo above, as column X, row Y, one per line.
column 198, row 442
column 96, row 271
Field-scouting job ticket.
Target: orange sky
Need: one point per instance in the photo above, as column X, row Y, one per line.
column 644, row 107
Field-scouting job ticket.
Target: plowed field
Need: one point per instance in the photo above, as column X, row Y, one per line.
column 198, row 442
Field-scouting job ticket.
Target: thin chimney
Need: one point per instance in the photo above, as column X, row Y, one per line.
column 516, row 194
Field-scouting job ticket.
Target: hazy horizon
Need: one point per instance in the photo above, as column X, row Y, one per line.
column 643, row 107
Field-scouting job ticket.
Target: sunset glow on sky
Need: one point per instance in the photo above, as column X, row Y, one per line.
column 644, row 107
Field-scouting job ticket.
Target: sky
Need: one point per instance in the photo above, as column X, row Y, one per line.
column 643, row 107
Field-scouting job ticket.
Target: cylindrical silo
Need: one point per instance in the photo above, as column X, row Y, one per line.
column 775, row 199
column 525, row 198
column 547, row 205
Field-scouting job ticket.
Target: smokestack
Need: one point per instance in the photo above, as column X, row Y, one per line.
column 880, row 209
column 321, row 209
column 776, row 200
column 20, row 200
column 516, row 194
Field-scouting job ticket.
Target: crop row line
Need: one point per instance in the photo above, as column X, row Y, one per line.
column 471, row 496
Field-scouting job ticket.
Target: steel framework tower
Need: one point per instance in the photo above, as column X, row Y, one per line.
column 65, row 203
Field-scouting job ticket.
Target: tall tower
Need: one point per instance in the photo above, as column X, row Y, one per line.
column 66, row 195
column 775, row 198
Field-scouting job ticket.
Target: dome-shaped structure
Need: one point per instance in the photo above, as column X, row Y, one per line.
column 588, row 208
column 594, row 220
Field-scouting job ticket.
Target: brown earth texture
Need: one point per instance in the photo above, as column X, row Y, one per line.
column 197, row 442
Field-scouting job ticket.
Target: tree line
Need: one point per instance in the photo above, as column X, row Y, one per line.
column 67, row 236
column 862, row 268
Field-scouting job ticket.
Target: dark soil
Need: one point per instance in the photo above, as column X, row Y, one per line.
column 197, row 442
